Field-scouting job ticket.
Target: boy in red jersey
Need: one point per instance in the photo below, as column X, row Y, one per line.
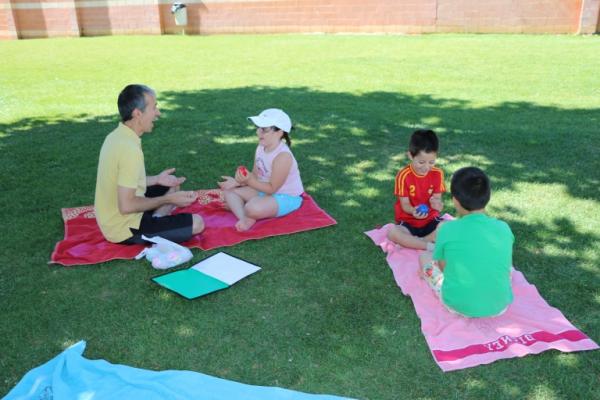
column 419, row 187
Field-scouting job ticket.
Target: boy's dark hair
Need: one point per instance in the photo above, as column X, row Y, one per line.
column 424, row 140
column 471, row 187
column 132, row 97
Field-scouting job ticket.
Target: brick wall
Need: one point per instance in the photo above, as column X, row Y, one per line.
column 517, row 16
column 110, row 17
column 43, row 18
column 7, row 21
column 410, row 16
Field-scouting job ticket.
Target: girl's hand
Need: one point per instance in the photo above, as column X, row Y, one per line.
column 241, row 178
column 228, row 183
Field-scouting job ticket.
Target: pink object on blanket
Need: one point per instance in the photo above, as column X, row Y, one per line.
column 84, row 243
column 529, row 326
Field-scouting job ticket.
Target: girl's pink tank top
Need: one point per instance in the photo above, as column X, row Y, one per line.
column 264, row 166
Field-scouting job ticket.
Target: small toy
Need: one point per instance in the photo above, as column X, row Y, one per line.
column 422, row 209
column 243, row 171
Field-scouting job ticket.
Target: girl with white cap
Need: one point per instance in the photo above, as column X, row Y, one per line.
column 273, row 188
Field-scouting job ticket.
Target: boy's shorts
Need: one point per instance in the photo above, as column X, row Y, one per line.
column 176, row 228
column 424, row 230
column 285, row 203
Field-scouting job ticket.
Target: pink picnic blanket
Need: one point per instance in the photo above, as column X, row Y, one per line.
column 529, row 326
column 84, row 243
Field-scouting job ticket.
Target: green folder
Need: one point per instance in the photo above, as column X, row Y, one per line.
column 214, row 273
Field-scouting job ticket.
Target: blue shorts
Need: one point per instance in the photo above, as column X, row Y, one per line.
column 285, row 203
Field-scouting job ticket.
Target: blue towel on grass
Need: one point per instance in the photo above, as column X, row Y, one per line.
column 71, row 376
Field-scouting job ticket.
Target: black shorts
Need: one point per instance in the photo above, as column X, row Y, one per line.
column 424, row 230
column 176, row 228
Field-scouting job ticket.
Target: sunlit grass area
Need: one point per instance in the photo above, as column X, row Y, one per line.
column 324, row 315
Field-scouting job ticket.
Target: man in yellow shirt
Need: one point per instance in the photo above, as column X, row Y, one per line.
column 128, row 203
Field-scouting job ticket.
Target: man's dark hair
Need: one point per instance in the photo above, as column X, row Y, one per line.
column 471, row 187
column 424, row 140
column 132, row 97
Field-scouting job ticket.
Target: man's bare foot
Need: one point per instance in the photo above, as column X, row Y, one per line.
column 244, row 224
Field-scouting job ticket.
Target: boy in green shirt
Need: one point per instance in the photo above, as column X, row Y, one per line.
column 472, row 260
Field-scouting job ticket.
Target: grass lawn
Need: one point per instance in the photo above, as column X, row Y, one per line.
column 324, row 315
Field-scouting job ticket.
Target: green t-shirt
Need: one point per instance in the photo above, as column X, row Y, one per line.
column 478, row 254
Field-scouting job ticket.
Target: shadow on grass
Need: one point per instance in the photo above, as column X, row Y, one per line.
column 349, row 148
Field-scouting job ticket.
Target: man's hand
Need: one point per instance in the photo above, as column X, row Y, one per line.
column 182, row 198
column 166, row 178
column 228, row 183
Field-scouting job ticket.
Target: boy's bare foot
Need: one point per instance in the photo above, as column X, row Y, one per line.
column 244, row 224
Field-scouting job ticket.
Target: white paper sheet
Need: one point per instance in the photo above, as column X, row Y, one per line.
column 226, row 268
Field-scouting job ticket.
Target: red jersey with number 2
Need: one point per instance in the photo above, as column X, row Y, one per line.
column 418, row 189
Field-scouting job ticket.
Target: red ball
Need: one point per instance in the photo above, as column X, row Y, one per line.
column 243, row 170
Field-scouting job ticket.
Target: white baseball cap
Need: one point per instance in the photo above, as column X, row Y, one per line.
column 273, row 117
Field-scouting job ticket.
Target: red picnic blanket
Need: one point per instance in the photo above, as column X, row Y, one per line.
column 84, row 243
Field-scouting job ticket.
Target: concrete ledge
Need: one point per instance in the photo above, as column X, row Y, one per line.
column 589, row 20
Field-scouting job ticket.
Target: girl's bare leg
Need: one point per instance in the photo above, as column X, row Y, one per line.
column 236, row 200
column 257, row 208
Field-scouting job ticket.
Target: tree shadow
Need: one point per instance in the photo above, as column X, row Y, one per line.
column 349, row 147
